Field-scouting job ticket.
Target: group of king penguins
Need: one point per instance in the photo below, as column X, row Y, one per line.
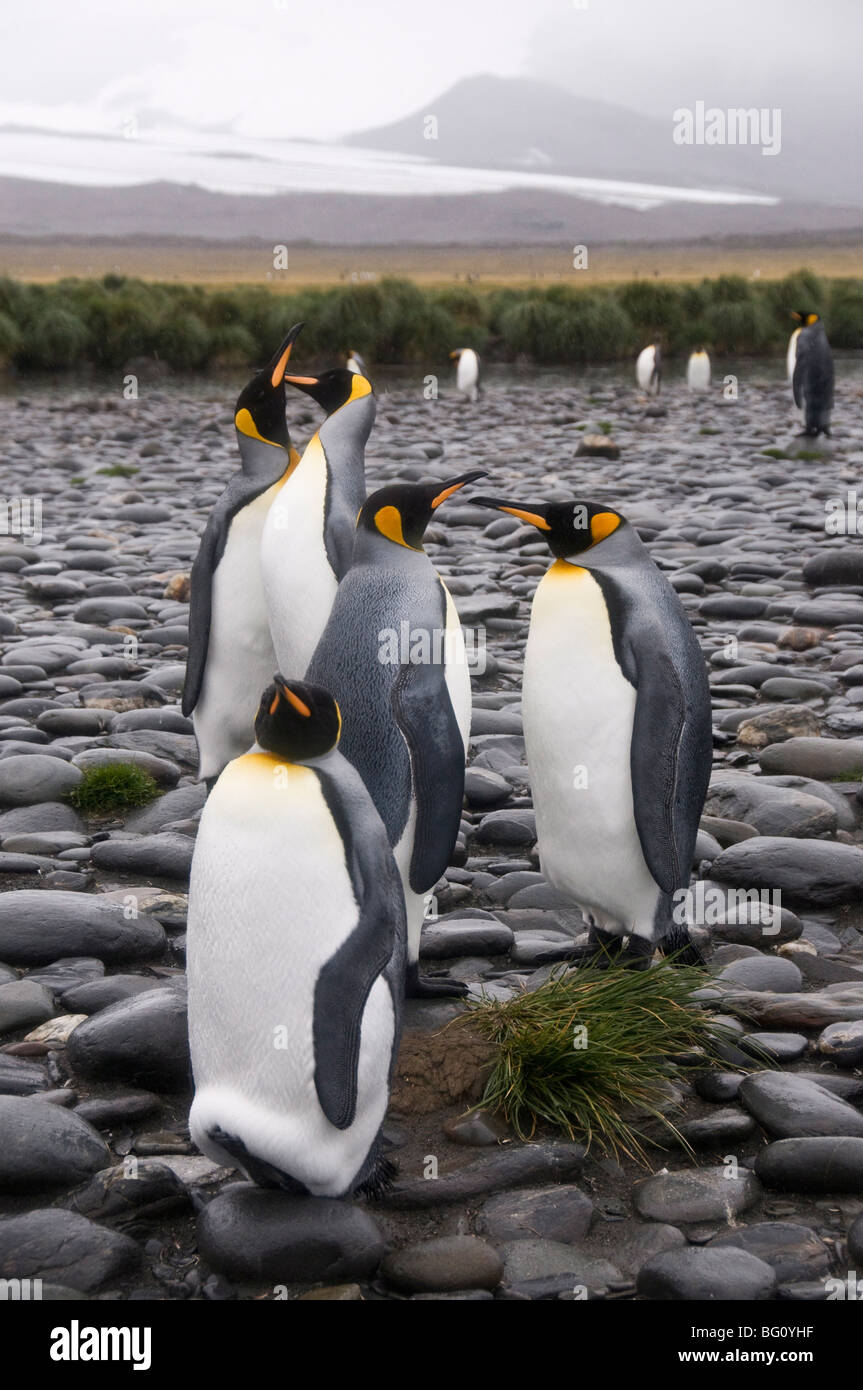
column 809, row 364
column 336, row 784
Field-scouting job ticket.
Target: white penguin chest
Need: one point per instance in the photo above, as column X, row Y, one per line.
column 578, row 712
column 299, row 581
column 239, row 613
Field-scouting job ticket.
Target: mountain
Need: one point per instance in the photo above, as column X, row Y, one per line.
column 42, row 212
column 516, row 123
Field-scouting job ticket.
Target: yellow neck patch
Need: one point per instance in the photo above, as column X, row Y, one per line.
column 602, row 525
column 246, row 425
column 564, row 569
column 389, row 522
column 359, row 388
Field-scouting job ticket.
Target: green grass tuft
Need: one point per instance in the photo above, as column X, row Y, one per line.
column 637, row 1025
column 809, row 455
column 114, row 787
column 773, row 453
column 119, row 470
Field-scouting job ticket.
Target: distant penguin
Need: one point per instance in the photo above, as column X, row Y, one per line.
column 356, row 364
column 812, row 382
column 698, row 370
column 231, row 655
column 791, row 354
column 467, row 372
column 309, row 533
column 617, row 727
column 648, row 369
column 393, row 654
column 295, row 959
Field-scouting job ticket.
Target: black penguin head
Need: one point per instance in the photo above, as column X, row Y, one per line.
column 805, row 317
column 401, row 511
column 334, row 388
column 568, row 528
column 260, row 409
column 296, row 720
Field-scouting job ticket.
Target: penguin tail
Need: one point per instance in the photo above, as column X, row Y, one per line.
column 379, row 1180
column 677, row 943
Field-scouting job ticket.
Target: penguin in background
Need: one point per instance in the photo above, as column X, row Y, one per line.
column 296, row 949
column 467, row 372
column 648, row 368
column 791, row 355
column 231, row 655
column 618, row 729
column 393, row 655
column 698, row 370
column 813, row 378
column 309, row 532
column 356, row 364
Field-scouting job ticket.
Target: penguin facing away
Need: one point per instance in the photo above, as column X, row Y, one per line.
column 648, row 368
column 617, row 725
column 698, row 370
column 813, row 378
column 467, row 372
column 309, row 532
column 393, row 654
column 231, row 655
column 295, row 959
column 356, row 364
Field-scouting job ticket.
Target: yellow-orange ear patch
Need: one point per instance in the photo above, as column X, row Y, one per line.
column 246, row 425
column 533, row 517
column 275, row 705
column 602, row 525
column 389, row 522
column 811, row 318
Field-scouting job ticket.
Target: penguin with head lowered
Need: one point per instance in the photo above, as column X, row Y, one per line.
column 295, row 959
column 393, row 654
column 467, row 372
column 648, row 368
column 698, row 370
column 617, row 727
column 309, row 533
column 812, row 382
column 231, row 654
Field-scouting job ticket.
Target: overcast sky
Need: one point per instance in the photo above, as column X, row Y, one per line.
column 284, row 68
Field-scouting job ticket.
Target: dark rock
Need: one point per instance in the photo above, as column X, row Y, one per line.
column 706, row 1275
column 64, row 1248
column 142, row 1040
column 45, row 1146
column 38, row 927
column 445, row 1264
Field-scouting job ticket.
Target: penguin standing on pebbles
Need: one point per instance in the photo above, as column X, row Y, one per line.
column 648, row 369
column 309, row 533
column 812, row 382
column 295, row 959
column 617, row 726
column 231, row 654
column 467, row 372
column 698, row 370
column 393, row 655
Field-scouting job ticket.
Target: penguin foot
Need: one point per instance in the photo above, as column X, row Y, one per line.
column 419, row 986
column 679, row 943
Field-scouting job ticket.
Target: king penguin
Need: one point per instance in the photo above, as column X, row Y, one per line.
column 617, row 726
column 698, row 370
column 309, row 533
column 356, row 364
column 467, row 372
column 648, row 368
column 812, row 382
column 231, row 655
column 295, row 959
column 393, row 655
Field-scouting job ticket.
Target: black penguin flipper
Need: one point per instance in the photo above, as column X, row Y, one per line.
column 345, row 982
column 424, row 713
column 201, row 608
column 672, row 750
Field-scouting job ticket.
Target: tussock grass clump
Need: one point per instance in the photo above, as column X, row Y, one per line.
column 590, row 1049
column 114, row 787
